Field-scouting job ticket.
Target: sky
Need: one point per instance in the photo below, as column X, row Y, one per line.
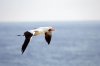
column 49, row 10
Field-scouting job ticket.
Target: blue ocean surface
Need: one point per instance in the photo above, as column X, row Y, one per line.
column 72, row 44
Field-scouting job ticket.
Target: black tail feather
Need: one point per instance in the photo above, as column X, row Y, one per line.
column 20, row 35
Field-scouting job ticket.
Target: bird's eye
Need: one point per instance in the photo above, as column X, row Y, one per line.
column 49, row 30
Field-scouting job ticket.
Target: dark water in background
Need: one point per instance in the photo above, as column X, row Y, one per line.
column 73, row 44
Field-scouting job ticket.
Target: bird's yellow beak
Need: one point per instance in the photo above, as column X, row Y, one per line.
column 52, row 29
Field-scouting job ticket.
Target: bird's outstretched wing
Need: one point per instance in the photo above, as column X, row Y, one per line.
column 28, row 36
column 48, row 36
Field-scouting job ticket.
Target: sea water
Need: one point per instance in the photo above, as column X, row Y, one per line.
column 72, row 44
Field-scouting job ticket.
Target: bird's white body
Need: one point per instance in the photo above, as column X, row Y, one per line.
column 40, row 30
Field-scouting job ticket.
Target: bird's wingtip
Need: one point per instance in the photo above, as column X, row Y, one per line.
column 22, row 52
column 48, row 43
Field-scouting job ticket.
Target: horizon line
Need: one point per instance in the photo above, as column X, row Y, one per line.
column 53, row 21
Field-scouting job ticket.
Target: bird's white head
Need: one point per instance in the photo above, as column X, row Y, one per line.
column 51, row 28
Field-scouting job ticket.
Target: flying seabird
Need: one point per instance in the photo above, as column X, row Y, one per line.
column 41, row 30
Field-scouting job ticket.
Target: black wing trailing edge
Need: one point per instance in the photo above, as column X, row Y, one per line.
column 28, row 36
column 48, row 36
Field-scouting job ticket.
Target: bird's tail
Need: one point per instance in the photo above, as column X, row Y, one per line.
column 20, row 35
